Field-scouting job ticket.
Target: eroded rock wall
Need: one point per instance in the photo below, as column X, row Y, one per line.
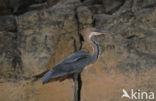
column 35, row 39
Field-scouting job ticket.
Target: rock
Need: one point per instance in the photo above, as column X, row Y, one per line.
column 42, row 38
column 40, row 34
column 39, row 6
column 134, row 35
column 104, row 6
column 52, row 2
column 126, row 6
column 74, row 3
column 103, row 19
column 12, row 5
column 139, row 4
column 126, row 59
column 10, row 62
column 112, row 5
column 16, row 6
column 149, row 3
column 26, row 91
column 100, row 85
column 8, row 23
column 23, row 89
column 84, row 16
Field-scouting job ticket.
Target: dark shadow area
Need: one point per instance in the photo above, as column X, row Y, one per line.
column 82, row 0
column 74, row 44
column 81, row 40
column 79, row 87
column 17, row 7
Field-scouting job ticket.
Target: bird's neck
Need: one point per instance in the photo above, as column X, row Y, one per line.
column 95, row 50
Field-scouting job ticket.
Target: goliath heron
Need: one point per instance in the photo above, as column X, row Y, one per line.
column 73, row 65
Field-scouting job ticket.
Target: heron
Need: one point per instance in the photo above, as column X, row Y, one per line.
column 73, row 65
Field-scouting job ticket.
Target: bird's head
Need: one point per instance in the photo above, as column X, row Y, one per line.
column 87, row 33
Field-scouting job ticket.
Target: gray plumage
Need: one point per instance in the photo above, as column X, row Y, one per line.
column 74, row 63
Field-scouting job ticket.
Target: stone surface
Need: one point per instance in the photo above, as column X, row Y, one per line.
column 46, row 33
column 84, row 16
column 16, row 6
column 139, row 4
column 8, row 23
column 104, row 6
column 37, row 40
column 10, row 61
column 52, row 2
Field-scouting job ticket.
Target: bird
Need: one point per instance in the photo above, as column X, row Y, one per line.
column 74, row 64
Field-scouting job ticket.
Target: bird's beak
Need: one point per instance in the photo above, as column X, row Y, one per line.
column 99, row 32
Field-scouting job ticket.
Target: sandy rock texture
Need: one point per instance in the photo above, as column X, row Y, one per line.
column 36, row 34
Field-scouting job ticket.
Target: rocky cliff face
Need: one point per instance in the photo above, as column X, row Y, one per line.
column 36, row 35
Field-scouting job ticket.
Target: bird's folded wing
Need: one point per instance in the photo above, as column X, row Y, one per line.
column 75, row 57
column 67, row 66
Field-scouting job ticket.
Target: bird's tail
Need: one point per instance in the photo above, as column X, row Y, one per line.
column 47, row 77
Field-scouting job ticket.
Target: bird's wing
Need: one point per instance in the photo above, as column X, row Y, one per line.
column 75, row 57
column 66, row 66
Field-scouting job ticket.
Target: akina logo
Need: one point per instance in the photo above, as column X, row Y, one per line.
column 137, row 94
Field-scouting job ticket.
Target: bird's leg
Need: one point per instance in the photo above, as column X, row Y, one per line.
column 75, row 86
